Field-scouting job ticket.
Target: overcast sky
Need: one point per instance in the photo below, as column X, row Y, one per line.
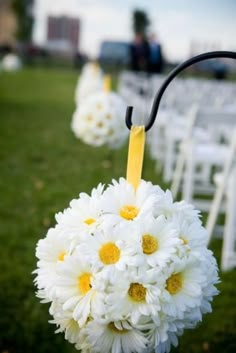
column 176, row 22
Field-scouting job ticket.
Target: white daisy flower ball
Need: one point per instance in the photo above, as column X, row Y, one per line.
column 91, row 69
column 11, row 63
column 126, row 271
column 99, row 120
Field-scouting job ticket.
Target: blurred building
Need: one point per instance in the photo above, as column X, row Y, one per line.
column 8, row 24
column 63, row 34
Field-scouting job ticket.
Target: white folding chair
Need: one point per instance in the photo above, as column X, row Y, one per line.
column 199, row 155
column 226, row 189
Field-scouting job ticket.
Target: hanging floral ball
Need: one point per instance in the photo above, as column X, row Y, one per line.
column 89, row 82
column 90, row 69
column 99, row 120
column 126, row 271
column 11, row 62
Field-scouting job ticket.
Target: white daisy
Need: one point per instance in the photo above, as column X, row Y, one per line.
column 64, row 321
column 136, row 295
column 155, row 332
column 158, row 240
column 76, row 289
column 51, row 251
column 122, row 201
column 167, row 207
column 165, row 347
column 83, row 215
column 193, row 236
column 111, row 249
column 187, row 210
column 162, row 337
column 183, row 287
column 115, row 337
column 191, row 318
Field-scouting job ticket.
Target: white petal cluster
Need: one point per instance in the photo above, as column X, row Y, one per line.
column 126, row 271
column 89, row 82
column 99, row 120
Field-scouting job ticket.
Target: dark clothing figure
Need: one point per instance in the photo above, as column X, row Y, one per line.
column 156, row 58
column 140, row 54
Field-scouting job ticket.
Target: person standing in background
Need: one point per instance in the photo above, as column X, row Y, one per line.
column 156, row 58
column 140, row 53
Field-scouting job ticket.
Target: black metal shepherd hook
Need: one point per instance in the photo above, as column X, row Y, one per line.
column 170, row 77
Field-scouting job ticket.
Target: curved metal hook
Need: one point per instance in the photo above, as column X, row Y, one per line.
column 170, row 77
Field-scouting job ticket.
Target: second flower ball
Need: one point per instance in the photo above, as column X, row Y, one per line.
column 100, row 120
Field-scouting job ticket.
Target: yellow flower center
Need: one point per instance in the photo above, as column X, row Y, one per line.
column 185, row 241
column 89, row 221
column 113, row 328
column 129, row 212
column 84, row 284
column 149, row 244
column 109, row 253
column 61, row 256
column 174, row 283
column 137, row 292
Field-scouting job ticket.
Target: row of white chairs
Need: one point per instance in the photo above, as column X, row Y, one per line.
column 171, row 125
column 192, row 139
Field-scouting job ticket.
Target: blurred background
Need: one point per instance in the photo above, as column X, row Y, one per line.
column 73, row 31
column 44, row 44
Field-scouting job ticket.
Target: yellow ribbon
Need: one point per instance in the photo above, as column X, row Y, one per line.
column 135, row 155
column 107, row 83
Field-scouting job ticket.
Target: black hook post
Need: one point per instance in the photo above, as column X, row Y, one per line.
column 170, row 77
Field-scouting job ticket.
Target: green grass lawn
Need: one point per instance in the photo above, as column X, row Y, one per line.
column 42, row 168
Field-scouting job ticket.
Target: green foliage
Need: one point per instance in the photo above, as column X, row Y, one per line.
column 42, row 168
column 24, row 17
column 140, row 22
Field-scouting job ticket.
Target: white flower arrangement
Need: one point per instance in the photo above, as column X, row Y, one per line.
column 125, row 270
column 99, row 120
column 89, row 82
column 11, row 63
column 90, row 69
